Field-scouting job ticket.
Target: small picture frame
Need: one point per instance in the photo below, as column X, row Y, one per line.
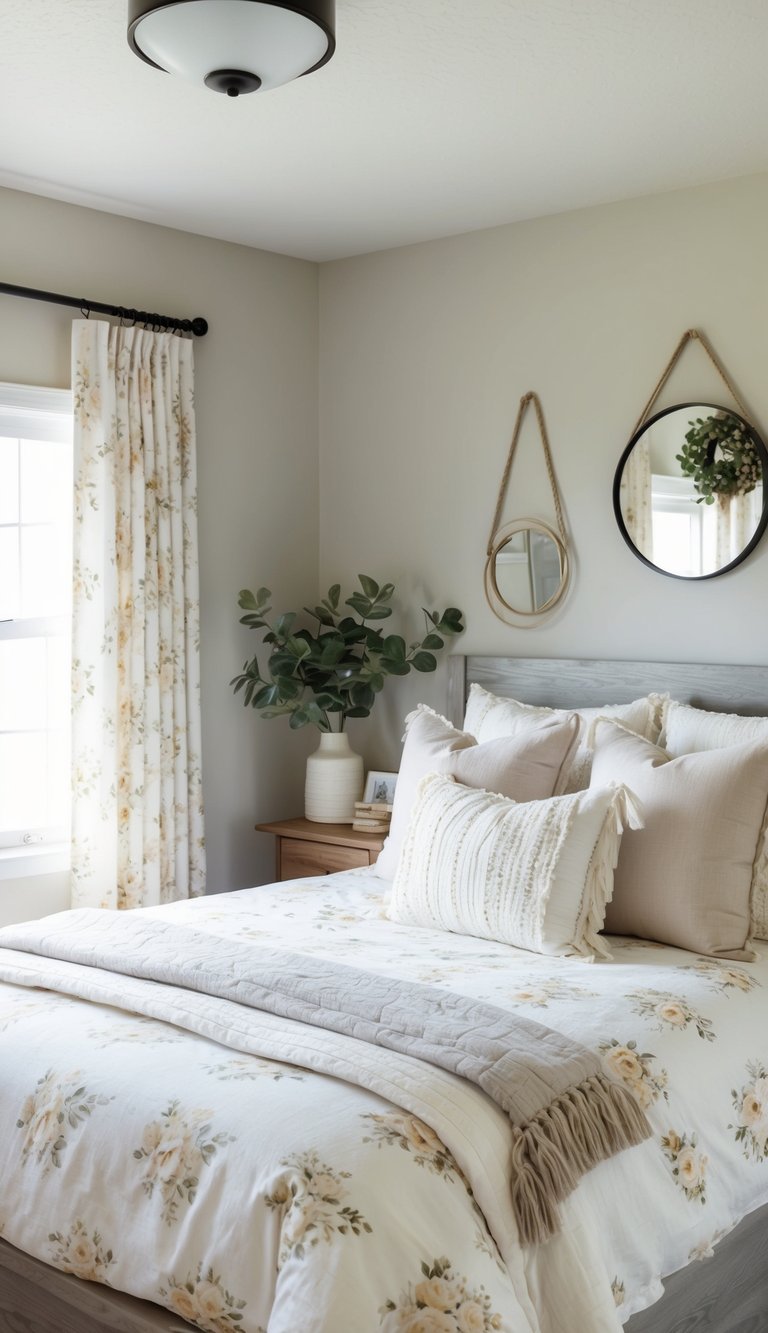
column 380, row 787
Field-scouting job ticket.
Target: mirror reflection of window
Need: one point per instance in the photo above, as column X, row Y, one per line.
column 692, row 539
column 528, row 572
column 687, row 491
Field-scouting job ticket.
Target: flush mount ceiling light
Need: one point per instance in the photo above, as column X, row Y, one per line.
column 233, row 46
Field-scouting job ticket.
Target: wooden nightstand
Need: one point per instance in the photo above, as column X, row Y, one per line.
column 304, row 848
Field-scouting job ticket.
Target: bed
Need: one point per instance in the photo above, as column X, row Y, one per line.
column 343, row 1212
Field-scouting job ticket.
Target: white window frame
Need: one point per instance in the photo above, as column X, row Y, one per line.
column 32, row 412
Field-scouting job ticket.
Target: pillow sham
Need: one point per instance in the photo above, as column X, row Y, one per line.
column 488, row 716
column 536, row 875
column 685, row 880
column 687, row 729
column 526, row 766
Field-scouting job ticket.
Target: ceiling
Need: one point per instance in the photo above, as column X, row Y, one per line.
column 434, row 117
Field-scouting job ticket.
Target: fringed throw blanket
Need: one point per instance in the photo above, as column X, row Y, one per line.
column 566, row 1116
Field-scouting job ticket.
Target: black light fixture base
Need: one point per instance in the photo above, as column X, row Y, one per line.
column 233, row 82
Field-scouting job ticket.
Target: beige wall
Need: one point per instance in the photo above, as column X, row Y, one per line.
column 424, row 355
column 256, row 382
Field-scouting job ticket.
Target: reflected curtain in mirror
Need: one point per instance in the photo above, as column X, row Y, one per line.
column 689, row 491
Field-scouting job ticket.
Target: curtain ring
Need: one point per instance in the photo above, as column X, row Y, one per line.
column 85, row 310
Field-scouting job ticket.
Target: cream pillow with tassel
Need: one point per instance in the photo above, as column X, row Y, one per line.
column 536, row 875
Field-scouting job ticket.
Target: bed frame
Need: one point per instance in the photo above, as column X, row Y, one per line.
column 728, row 1293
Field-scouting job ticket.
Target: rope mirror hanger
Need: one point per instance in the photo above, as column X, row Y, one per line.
column 539, row 552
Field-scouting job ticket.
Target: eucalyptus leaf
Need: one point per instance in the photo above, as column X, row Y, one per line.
column 336, row 667
column 424, row 662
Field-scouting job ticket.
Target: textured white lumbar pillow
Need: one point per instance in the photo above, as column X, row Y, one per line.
column 536, row 875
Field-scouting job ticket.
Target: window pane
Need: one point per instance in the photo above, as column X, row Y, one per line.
column 23, row 702
column 23, row 781
column 59, row 690
column 46, row 572
column 46, row 480
column 9, row 573
column 58, row 778
column 9, row 480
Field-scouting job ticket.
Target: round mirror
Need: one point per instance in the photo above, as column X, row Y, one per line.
column 527, row 568
column 690, row 491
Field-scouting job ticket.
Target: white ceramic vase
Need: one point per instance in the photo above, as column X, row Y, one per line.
column 334, row 780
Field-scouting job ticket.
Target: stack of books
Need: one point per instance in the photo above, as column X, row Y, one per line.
column 372, row 817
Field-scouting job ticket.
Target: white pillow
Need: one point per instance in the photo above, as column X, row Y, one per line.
column 488, row 717
column 526, row 766
column 687, row 730
column 537, row 875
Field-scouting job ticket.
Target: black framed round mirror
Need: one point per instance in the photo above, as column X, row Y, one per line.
column 690, row 493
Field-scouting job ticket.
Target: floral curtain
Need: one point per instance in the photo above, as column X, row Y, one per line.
column 137, row 817
column 635, row 497
column 737, row 520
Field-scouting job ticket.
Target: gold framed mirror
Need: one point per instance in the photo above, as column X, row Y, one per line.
column 526, row 566
column 526, row 570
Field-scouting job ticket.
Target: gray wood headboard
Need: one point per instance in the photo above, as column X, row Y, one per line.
column 575, row 682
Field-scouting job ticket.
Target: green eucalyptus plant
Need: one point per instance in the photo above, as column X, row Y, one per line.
column 335, row 670
column 735, row 470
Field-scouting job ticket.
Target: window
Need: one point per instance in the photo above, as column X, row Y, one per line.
column 35, row 621
column 678, row 529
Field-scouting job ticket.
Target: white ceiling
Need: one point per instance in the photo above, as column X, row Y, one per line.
column 434, row 117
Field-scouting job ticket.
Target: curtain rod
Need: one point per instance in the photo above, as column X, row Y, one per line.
column 197, row 326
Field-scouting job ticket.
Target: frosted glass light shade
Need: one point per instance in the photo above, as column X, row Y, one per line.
column 265, row 42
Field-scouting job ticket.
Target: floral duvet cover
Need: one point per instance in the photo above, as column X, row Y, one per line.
column 245, row 1192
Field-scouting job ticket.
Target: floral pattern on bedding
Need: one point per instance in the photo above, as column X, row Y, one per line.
column 689, row 1166
column 411, row 1135
column 624, row 1062
column 202, row 1299
column 751, row 1105
column 81, row 1252
column 174, row 1149
column 687, row 1035
column 52, row 1114
column 313, row 1203
column 671, row 1011
column 441, row 1301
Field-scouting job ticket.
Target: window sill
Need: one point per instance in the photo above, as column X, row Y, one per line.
column 20, row 862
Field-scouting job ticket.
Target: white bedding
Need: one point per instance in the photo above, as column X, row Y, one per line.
column 250, row 1194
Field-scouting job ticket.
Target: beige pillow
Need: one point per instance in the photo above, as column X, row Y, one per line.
column 688, row 729
column 685, row 879
column 536, row 875
column 525, row 767
column 488, row 717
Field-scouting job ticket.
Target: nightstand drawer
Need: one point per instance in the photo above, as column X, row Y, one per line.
column 299, row 857
column 304, row 847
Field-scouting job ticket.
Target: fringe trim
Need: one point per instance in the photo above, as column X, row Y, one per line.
column 425, row 708
column 625, row 811
column 585, row 1125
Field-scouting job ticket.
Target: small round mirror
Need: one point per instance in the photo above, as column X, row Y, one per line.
column 527, row 568
column 689, row 492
